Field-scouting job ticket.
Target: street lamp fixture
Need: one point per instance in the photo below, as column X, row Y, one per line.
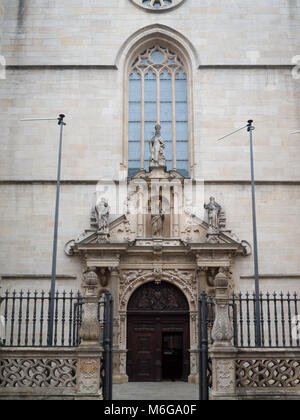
column 61, row 123
column 250, row 129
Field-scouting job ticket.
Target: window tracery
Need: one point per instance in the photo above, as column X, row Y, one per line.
column 158, row 95
column 157, row 5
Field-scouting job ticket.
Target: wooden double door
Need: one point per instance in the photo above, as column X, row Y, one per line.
column 158, row 334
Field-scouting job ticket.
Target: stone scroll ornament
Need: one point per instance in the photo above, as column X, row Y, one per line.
column 157, row 5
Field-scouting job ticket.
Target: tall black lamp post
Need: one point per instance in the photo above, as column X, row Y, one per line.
column 61, row 123
column 250, row 129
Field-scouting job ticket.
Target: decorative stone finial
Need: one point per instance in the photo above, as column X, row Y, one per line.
column 90, row 328
column 90, row 282
column 222, row 332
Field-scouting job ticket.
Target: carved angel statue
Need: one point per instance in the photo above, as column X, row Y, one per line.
column 214, row 210
column 102, row 210
column 157, row 149
column 157, row 221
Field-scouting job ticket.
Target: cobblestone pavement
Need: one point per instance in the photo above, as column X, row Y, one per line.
column 156, row 391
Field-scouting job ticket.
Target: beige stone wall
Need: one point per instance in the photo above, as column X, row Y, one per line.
column 27, row 226
column 92, row 31
column 244, row 50
column 224, row 100
column 278, row 215
column 27, row 231
column 1, row 24
column 92, row 99
column 93, row 136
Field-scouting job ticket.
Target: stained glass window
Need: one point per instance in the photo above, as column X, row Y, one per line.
column 158, row 95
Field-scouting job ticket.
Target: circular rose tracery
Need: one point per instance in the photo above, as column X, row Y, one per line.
column 157, row 5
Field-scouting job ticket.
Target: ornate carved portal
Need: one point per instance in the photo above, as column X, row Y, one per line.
column 158, row 334
column 155, row 261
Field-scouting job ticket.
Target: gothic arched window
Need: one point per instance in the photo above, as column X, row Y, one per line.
column 158, row 95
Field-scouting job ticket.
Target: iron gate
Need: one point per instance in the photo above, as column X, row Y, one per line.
column 106, row 368
column 205, row 323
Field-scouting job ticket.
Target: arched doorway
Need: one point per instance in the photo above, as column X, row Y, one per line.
column 158, row 338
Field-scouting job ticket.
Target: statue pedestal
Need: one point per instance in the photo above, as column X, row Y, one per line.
column 158, row 171
column 212, row 235
column 102, row 237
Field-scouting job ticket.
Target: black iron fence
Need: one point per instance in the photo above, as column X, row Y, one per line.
column 25, row 318
column 278, row 317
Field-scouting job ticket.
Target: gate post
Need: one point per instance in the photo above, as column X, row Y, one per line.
column 203, row 348
column 2, row 325
column 222, row 351
column 108, row 346
column 90, row 352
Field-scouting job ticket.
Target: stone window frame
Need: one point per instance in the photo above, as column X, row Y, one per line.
column 173, row 66
column 186, row 58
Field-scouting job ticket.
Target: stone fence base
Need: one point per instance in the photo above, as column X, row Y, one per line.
column 254, row 374
column 50, row 373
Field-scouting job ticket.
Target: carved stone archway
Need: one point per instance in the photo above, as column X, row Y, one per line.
column 158, row 317
column 132, row 280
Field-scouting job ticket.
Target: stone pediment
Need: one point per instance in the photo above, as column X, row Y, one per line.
column 154, row 219
column 158, row 173
column 119, row 231
column 198, row 230
column 194, row 237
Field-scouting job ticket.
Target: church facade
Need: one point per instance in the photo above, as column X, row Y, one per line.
column 151, row 202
